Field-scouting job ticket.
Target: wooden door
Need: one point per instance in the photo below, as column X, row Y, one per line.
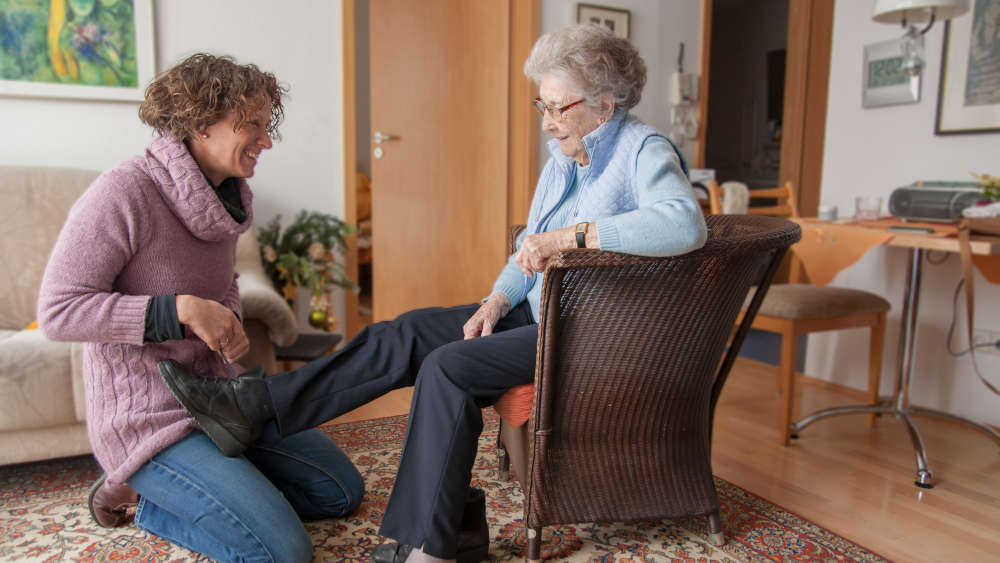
column 440, row 88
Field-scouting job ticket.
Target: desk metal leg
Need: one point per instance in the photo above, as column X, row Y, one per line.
column 947, row 415
column 899, row 405
column 925, row 479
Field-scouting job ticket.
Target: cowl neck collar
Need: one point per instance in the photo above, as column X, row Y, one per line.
column 594, row 142
column 189, row 195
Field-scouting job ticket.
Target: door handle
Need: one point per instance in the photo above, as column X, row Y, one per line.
column 379, row 136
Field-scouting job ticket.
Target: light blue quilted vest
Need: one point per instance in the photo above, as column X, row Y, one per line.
column 608, row 183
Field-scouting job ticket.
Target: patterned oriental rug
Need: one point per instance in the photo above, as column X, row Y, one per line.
column 44, row 517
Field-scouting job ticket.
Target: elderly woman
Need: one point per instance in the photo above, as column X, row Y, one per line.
column 612, row 183
column 142, row 271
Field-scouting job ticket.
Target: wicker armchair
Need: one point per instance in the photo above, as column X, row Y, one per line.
column 629, row 368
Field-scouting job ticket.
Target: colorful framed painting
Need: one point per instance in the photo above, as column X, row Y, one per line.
column 969, row 91
column 94, row 49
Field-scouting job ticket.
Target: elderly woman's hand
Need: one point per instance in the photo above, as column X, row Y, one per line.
column 486, row 317
column 536, row 250
column 215, row 324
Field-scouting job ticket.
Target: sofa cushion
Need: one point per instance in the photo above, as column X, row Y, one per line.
column 36, row 202
column 36, row 386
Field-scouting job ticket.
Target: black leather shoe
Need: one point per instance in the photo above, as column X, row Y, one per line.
column 393, row 552
column 232, row 412
column 471, row 546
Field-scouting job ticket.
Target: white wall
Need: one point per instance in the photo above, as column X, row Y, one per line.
column 872, row 151
column 299, row 42
column 657, row 30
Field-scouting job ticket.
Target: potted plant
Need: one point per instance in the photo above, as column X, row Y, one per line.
column 303, row 255
column 990, row 186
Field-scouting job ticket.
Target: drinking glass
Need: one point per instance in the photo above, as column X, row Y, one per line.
column 867, row 208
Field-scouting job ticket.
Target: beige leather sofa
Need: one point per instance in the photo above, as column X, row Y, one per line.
column 42, row 412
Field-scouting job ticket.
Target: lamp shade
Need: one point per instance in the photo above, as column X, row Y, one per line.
column 917, row 11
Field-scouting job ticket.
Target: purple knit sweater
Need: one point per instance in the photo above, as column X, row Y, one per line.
column 150, row 226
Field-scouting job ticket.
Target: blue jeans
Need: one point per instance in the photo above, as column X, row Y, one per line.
column 247, row 508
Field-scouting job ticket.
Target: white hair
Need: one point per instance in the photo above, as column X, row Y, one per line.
column 593, row 59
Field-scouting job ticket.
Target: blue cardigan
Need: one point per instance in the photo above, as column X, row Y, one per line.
column 635, row 188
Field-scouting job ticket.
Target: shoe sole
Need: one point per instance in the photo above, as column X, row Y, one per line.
column 218, row 434
column 472, row 555
column 90, row 498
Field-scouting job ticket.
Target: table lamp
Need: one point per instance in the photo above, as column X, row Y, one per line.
column 909, row 12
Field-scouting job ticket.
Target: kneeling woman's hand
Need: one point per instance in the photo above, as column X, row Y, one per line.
column 486, row 317
column 215, row 324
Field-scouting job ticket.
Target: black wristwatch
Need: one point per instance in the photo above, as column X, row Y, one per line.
column 581, row 234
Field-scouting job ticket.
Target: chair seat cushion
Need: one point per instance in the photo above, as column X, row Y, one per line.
column 804, row 301
column 514, row 406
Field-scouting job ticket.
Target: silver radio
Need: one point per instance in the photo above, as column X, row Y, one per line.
column 933, row 201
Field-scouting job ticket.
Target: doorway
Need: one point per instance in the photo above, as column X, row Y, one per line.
column 799, row 135
column 765, row 68
column 446, row 175
column 746, row 92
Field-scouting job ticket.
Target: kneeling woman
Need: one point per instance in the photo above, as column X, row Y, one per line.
column 143, row 271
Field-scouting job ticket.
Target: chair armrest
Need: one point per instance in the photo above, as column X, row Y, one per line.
column 260, row 301
column 596, row 258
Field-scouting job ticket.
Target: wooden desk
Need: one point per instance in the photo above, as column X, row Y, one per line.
column 828, row 247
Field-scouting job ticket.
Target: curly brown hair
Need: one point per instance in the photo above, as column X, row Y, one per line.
column 202, row 89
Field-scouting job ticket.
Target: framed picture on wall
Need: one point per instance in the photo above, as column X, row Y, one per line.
column 612, row 18
column 886, row 81
column 969, row 91
column 91, row 49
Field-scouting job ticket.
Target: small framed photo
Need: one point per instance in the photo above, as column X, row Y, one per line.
column 98, row 50
column 612, row 18
column 969, row 91
column 886, row 81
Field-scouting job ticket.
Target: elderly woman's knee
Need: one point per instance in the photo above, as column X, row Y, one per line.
column 447, row 364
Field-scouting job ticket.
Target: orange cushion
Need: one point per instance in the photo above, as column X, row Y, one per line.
column 514, row 407
column 32, row 326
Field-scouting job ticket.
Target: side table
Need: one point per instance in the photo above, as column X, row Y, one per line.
column 306, row 348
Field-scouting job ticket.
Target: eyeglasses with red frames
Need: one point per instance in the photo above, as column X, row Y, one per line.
column 556, row 113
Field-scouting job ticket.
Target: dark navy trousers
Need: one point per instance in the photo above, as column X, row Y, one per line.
column 453, row 378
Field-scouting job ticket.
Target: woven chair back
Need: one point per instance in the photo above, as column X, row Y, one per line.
column 630, row 366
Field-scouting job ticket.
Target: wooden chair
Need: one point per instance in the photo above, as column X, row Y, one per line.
column 798, row 308
column 630, row 366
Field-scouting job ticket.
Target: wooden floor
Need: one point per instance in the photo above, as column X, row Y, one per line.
column 852, row 480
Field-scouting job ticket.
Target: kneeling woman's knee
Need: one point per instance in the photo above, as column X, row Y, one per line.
column 340, row 495
column 291, row 547
column 353, row 485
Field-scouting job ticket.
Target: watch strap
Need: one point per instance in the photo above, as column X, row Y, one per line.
column 581, row 235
